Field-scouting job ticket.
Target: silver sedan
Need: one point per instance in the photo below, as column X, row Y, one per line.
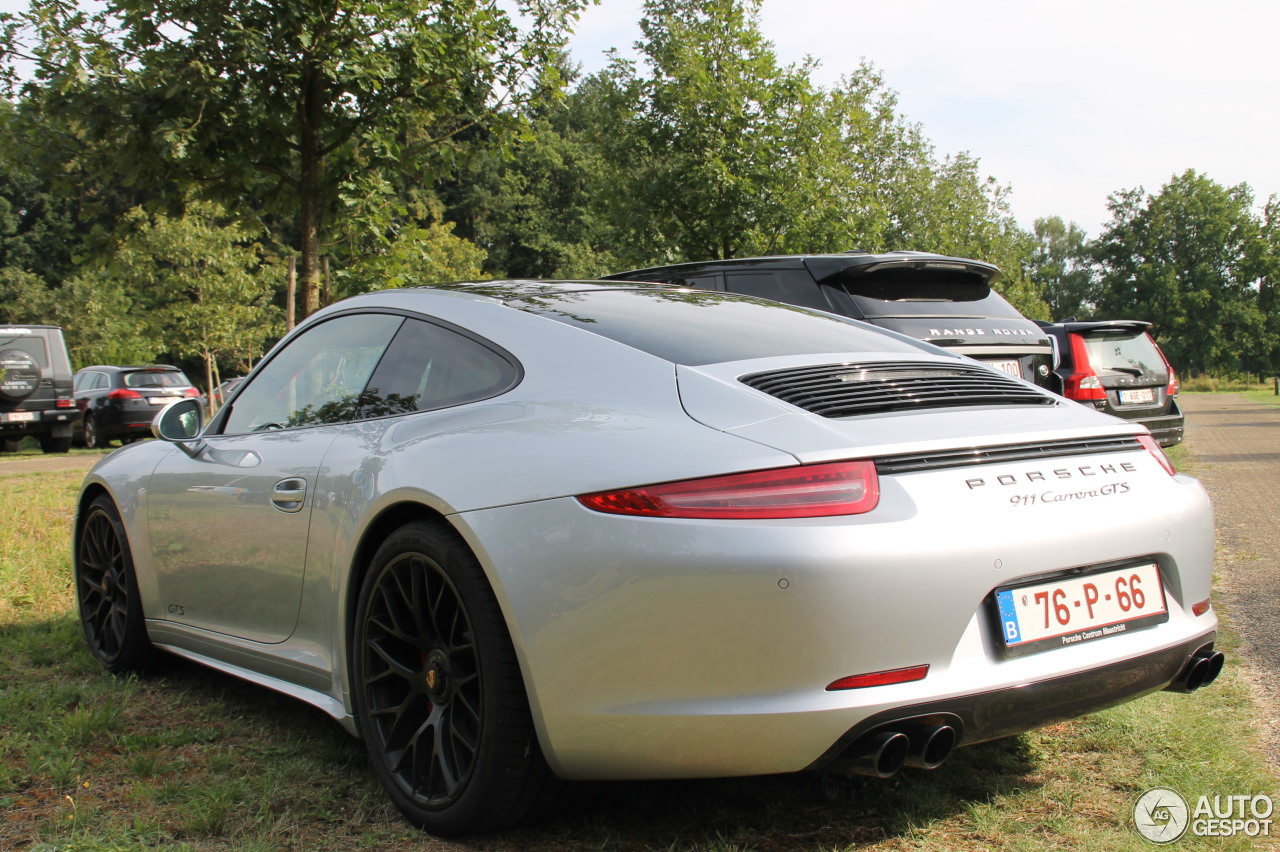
column 518, row 534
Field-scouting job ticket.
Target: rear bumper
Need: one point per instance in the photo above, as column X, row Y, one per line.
column 1167, row 430
column 1000, row 713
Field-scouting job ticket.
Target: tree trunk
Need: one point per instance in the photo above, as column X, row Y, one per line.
column 309, row 191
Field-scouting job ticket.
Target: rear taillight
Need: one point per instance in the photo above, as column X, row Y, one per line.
column 809, row 491
column 191, row 392
column 66, row 403
column 1152, row 447
column 1172, row 389
column 124, row 393
column 1083, row 385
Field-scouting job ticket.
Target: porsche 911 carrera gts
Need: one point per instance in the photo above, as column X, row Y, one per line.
column 519, row 534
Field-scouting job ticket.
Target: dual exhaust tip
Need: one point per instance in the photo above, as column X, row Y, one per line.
column 1201, row 670
column 882, row 753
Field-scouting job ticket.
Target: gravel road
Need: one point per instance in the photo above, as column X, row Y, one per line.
column 1236, row 447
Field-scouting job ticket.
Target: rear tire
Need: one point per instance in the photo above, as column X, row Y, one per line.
column 107, row 592
column 440, row 701
column 89, row 430
column 50, row 444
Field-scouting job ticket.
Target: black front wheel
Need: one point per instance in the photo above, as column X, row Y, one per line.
column 107, row 591
column 440, row 701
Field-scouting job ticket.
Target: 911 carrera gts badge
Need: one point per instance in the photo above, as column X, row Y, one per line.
column 891, row 375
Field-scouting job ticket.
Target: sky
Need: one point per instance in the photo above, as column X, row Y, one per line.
column 1066, row 103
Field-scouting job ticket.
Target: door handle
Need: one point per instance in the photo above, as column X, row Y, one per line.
column 289, row 494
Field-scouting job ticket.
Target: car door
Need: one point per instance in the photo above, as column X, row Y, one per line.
column 229, row 525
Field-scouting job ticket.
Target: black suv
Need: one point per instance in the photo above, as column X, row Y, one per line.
column 947, row 301
column 121, row 402
column 1116, row 367
column 35, row 388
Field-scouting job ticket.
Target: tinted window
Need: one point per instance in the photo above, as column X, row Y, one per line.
column 1123, row 353
column 428, row 367
column 155, row 379
column 921, row 292
column 26, row 340
column 317, row 378
column 795, row 287
column 709, row 328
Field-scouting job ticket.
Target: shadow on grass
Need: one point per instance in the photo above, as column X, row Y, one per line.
column 183, row 706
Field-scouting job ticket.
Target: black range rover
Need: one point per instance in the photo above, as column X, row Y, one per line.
column 947, row 301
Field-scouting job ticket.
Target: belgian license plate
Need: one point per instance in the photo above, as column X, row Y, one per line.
column 1137, row 396
column 1012, row 367
column 1080, row 608
column 161, row 400
column 20, row 417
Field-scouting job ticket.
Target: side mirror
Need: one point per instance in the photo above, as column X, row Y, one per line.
column 180, row 423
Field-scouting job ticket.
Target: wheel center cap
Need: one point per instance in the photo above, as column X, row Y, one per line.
column 436, row 676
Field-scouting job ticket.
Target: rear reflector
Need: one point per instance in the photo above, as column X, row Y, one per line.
column 1154, row 448
column 1200, row 608
column 880, row 678
column 808, row 491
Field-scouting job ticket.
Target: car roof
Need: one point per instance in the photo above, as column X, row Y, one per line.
column 123, row 367
column 523, row 288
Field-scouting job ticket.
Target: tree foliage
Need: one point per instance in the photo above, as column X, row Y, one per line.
column 1189, row 259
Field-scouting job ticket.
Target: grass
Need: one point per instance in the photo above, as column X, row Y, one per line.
column 189, row 759
column 1226, row 384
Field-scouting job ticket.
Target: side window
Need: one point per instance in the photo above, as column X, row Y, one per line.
column 794, row 287
column 701, row 282
column 429, row 367
column 318, row 378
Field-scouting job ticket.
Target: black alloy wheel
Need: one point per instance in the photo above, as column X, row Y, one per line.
column 107, row 591
column 439, row 697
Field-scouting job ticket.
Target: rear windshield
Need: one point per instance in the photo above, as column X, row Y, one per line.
column 923, row 292
column 1123, row 353
column 29, row 342
column 156, row 379
column 695, row 328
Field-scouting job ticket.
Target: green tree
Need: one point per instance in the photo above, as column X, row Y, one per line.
column 199, row 289
column 1062, row 266
column 311, row 109
column 1189, row 259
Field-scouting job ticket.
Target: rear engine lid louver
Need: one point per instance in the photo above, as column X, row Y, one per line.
column 848, row 390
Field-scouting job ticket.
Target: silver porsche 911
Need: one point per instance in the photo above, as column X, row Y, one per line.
column 516, row 534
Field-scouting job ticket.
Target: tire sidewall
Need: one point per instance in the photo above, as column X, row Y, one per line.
column 136, row 650
column 473, row 807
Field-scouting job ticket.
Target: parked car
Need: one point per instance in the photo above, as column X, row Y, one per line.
column 1117, row 367
column 514, row 534
column 35, row 388
column 224, row 391
column 121, row 402
column 947, row 301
